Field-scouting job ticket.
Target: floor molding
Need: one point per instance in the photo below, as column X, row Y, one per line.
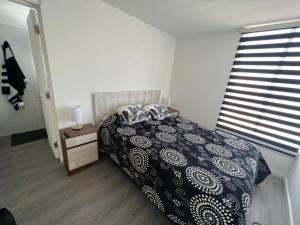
column 288, row 199
column 286, row 192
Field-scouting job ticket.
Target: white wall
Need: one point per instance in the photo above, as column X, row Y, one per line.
column 30, row 117
column 279, row 163
column 13, row 14
column 202, row 67
column 94, row 47
column 294, row 190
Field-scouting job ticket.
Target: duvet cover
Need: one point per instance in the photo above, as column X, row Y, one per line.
column 192, row 174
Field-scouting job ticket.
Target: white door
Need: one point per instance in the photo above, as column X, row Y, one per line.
column 36, row 45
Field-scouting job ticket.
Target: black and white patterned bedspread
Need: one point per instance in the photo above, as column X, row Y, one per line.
column 193, row 175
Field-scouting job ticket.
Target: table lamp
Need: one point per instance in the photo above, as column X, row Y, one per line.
column 76, row 116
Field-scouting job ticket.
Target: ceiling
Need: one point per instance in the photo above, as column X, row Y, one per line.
column 13, row 14
column 183, row 18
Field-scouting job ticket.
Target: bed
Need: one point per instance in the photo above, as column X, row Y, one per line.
column 192, row 174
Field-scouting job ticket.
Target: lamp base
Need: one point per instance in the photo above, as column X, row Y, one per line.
column 77, row 127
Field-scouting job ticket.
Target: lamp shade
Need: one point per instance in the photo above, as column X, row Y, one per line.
column 76, row 113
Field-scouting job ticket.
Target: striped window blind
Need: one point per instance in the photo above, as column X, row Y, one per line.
column 262, row 99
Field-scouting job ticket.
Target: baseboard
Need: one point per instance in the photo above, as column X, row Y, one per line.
column 286, row 192
column 288, row 201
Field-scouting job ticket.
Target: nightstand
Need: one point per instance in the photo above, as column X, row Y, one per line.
column 80, row 148
column 174, row 113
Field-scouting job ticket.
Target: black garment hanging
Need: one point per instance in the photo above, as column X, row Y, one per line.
column 14, row 77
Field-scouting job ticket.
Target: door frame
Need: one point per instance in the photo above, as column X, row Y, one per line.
column 37, row 8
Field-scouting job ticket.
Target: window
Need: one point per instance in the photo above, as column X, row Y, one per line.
column 262, row 99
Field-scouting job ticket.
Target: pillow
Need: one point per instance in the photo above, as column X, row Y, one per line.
column 131, row 114
column 157, row 112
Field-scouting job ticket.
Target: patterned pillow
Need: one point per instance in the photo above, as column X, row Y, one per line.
column 157, row 112
column 131, row 114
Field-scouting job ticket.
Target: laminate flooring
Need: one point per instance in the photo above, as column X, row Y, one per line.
column 35, row 188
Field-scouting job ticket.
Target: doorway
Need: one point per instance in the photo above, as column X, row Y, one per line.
column 20, row 28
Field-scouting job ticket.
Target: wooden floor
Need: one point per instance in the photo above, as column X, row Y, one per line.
column 35, row 188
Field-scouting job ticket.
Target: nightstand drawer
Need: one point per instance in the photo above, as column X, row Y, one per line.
column 82, row 155
column 71, row 142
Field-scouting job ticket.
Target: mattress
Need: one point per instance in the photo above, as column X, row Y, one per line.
column 192, row 174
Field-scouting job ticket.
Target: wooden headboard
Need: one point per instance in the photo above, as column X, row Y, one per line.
column 106, row 103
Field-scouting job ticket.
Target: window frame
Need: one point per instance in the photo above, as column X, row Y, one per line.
column 276, row 68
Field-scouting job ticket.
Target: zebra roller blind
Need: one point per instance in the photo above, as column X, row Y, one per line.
column 262, row 99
